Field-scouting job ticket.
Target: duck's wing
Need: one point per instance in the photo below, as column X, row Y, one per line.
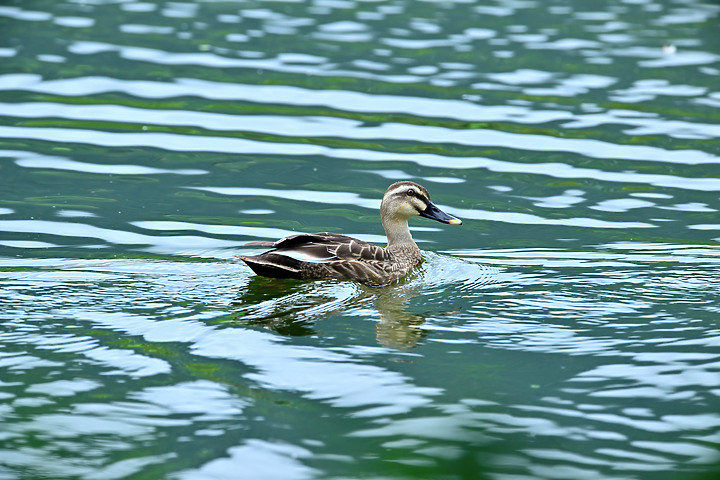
column 325, row 247
column 325, row 255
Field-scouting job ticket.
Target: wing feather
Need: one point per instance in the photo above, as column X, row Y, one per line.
column 326, row 246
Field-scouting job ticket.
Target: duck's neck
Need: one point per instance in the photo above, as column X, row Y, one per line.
column 398, row 233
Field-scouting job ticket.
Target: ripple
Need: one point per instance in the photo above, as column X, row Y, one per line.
column 445, row 271
column 74, row 22
column 681, row 59
column 342, row 100
column 375, row 391
column 374, row 204
column 64, row 388
column 166, row 141
column 213, row 60
column 230, row 230
column 174, row 244
column 18, row 13
column 337, row 99
column 27, row 244
column 617, row 254
column 345, row 101
column 58, row 163
column 146, row 29
column 530, row 219
column 327, row 126
column 257, row 458
column 232, row 145
column 74, row 213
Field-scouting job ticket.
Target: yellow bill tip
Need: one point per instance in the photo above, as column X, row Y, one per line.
column 455, row 221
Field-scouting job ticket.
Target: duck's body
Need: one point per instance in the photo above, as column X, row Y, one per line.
column 333, row 256
column 327, row 255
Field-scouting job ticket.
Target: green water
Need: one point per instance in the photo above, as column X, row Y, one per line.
column 567, row 330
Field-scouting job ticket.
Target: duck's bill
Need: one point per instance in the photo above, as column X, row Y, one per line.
column 436, row 214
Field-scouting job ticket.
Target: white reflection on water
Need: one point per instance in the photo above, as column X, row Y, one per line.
column 138, row 418
column 119, row 361
column 256, row 459
column 350, row 101
column 27, row 244
column 682, row 58
column 74, row 213
column 477, row 214
column 317, row 126
column 22, row 14
column 57, row 163
column 232, row 230
column 175, row 142
column 213, row 60
column 531, row 219
column 374, row 390
column 327, row 198
column 175, row 244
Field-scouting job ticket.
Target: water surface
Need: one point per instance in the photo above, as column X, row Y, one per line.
column 567, row 330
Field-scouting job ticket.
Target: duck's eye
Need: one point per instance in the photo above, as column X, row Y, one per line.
column 411, row 192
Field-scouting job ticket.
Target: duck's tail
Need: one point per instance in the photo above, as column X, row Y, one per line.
column 273, row 265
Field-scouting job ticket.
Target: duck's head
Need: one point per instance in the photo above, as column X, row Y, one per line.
column 403, row 200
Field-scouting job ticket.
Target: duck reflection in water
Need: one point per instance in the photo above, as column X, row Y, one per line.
column 291, row 307
column 398, row 328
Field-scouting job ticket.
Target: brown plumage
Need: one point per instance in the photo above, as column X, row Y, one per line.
column 327, row 255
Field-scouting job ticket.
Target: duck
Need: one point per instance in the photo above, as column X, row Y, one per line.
column 326, row 255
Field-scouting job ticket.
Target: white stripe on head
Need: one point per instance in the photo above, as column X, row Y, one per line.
column 401, row 188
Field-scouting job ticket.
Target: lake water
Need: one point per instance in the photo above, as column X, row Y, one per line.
column 569, row 329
